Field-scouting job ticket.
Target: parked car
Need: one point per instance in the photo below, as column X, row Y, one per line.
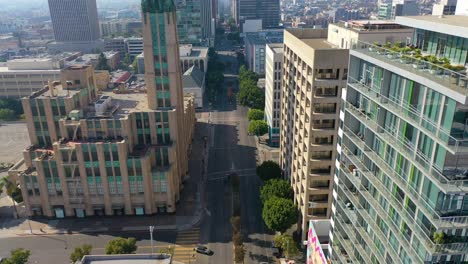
column 204, row 250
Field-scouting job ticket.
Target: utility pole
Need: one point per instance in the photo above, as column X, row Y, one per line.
column 151, row 228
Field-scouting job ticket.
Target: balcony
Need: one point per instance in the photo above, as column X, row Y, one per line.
column 449, row 183
column 352, row 194
column 408, row 215
column 412, row 116
column 351, row 233
column 435, row 216
column 455, row 81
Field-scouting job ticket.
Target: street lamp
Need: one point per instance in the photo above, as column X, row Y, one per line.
column 151, row 229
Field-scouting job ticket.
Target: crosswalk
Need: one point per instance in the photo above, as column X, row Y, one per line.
column 186, row 241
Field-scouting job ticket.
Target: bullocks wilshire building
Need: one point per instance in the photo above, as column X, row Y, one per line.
column 116, row 152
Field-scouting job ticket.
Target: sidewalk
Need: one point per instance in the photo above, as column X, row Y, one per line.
column 190, row 208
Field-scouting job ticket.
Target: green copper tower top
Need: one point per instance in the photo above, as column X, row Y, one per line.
column 157, row 6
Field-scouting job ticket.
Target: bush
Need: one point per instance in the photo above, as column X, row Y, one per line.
column 258, row 128
column 239, row 254
column 279, row 214
column 276, row 188
column 121, row 246
column 7, row 114
column 255, row 114
column 18, row 256
column 269, row 170
column 287, row 244
column 79, row 252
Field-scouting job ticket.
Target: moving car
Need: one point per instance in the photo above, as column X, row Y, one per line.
column 204, row 250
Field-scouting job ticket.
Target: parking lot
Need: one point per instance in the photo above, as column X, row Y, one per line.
column 13, row 140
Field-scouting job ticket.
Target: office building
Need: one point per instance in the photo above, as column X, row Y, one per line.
column 273, row 78
column 314, row 71
column 189, row 21
column 134, row 47
column 21, row 77
column 398, row 8
column 110, row 153
column 444, row 7
column 266, row 10
column 74, row 20
column 207, row 22
column 255, row 45
column 401, row 181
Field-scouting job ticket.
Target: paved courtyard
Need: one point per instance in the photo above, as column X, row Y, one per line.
column 14, row 139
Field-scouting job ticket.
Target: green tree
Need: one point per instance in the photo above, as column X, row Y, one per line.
column 276, row 188
column 7, row 114
column 13, row 190
column 237, row 238
column 236, row 223
column 102, row 63
column 79, row 252
column 239, row 254
column 258, row 128
column 269, row 170
column 287, row 244
column 18, row 256
column 279, row 214
column 255, row 114
column 121, row 246
column 135, row 65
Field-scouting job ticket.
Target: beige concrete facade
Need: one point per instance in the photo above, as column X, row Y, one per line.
column 314, row 73
column 103, row 153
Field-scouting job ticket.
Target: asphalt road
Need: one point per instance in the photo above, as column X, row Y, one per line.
column 232, row 151
column 57, row 248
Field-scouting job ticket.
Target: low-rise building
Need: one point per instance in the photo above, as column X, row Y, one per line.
column 112, row 59
column 134, row 46
column 190, row 56
column 21, row 77
column 193, row 82
column 115, row 44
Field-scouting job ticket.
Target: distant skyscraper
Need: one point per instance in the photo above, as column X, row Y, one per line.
column 74, row 20
column 267, row 10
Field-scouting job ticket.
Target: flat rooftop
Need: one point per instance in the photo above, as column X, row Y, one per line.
column 363, row 26
column 125, row 103
column 451, row 25
column 319, row 44
column 276, row 47
column 7, row 70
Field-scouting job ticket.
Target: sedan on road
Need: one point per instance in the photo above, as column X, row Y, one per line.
column 204, row 250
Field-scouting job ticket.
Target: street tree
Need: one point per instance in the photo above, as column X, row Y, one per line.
column 236, row 223
column 79, row 252
column 102, row 63
column 12, row 190
column 258, row 128
column 255, row 114
column 239, row 254
column 237, row 238
column 287, row 244
column 276, row 188
column 7, row 114
column 18, row 256
column 279, row 214
column 121, row 246
column 269, row 170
